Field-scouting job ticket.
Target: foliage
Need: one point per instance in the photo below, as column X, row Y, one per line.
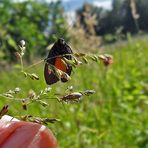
column 117, row 110
column 27, row 20
column 87, row 18
column 33, row 21
column 142, row 9
column 130, row 15
column 84, row 31
column 57, row 23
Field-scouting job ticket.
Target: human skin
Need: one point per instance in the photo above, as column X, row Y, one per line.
column 20, row 134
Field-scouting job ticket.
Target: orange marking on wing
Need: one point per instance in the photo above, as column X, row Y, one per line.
column 60, row 64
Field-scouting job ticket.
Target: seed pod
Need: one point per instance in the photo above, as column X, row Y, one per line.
column 65, row 76
column 93, row 58
column 22, row 43
column 56, row 71
column 75, row 60
column 108, row 60
column 4, row 110
column 85, row 60
column 33, row 76
column 44, row 104
column 24, row 105
column 79, row 63
column 102, row 57
column 26, row 117
column 70, row 88
column 51, row 120
column 10, row 92
column 79, row 54
column 72, row 97
column 36, row 120
column 8, row 95
column 88, row 92
column 17, row 89
column 31, row 94
column 17, row 54
column 48, row 89
column 25, row 74
column 70, row 62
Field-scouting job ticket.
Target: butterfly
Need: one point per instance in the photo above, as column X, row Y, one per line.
column 59, row 49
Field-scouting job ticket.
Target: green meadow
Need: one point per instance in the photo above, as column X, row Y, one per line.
column 116, row 116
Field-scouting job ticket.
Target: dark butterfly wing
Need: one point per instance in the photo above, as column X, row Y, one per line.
column 58, row 49
column 50, row 77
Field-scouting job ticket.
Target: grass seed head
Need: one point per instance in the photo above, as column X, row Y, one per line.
column 72, row 97
column 24, row 105
column 4, row 110
column 88, row 92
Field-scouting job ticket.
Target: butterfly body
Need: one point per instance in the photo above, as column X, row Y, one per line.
column 60, row 49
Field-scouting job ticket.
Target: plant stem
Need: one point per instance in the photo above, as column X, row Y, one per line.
column 22, row 67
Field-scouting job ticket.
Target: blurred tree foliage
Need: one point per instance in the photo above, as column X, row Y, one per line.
column 88, row 17
column 33, row 21
column 143, row 11
column 84, row 31
column 125, row 16
column 58, row 27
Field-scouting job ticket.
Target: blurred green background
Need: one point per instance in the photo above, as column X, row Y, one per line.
column 116, row 115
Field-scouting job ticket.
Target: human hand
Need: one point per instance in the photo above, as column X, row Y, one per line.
column 21, row 134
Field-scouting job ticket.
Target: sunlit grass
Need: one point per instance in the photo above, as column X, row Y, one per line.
column 115, row 116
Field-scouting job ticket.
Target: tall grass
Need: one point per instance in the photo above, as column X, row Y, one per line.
column 115, row 116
